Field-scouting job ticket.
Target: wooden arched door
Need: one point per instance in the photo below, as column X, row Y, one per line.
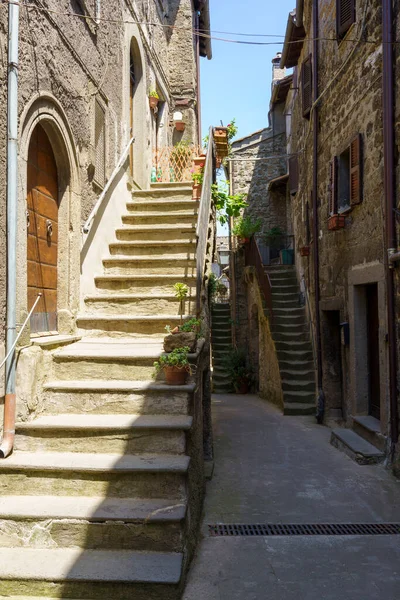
column 42, row 229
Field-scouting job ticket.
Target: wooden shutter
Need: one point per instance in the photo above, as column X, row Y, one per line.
column 333, row 187
column 293, row 174
column 306, row 86
column 355, row 171
column 345, row 16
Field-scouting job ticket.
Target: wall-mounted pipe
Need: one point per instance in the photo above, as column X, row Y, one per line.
column 321, row 407
column 12, row 203
column 390, row 202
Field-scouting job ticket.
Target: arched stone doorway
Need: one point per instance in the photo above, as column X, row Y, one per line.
column 42, row 231
column 135, row 102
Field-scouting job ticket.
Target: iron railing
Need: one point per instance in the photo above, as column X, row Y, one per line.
column 204, row 219
column 253, row 259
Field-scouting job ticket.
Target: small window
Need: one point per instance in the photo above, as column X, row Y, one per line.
column 345, row 16
column 345, row 178
column 293, row 174
column 306, row 86
column 100, row 144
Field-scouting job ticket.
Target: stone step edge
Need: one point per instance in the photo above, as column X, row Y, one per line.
column 98, row 566
column 85, row 462
column 130, row 318
column 82, row 422
column 146, row 259
column 115, row 297
column 99, row 385
column 92, row 509
column 143, row 277
column 184, row 227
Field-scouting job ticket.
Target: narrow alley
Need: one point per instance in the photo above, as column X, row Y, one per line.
column 273, row 469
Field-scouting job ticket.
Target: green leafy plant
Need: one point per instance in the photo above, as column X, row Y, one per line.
column 232, row 129
column 153, row 94
column 236, row 365
column 212, row 285
column 198, row 177
column 227, row 205
column 222, row 290
column 190, row 325
column 245, row 227
column 177, row 358
column 181, row 292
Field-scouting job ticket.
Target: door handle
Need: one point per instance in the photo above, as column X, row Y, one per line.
column 49, row 226
column 28, row 219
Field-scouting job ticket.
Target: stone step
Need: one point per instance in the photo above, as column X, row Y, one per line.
column 94, row 474
column 168, row 233
column 295, row 337
column 369, row 428
column 124, row 325
column 158, row 265
column 281, row 297
column 299, row 384
column 124, row 359
column 285, row 288
column 155, row 248
column 356, row 447
column 279, row 303
column 115, row 397
column 295, row 368
column 97, row 522
column 297, row 409
column 95, row 574
column 289, row 355
column 166, row 206
column 129, row 434
column 222, row 389
column 301, row 396
column 289, row 320
column 143, row 283
column 139, row 304
column 164, row 191
column 293, row 346
column 289, row 312
column 159, row 219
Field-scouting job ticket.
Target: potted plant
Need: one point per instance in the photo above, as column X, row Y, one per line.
column 197, row 178
column 245, row 227
column 278, row 242
column 336, row 222
column 153, row 99
column 181, row 291
column 236, row 366
column 175, row 365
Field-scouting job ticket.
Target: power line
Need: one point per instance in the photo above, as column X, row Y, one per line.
column 199, row 32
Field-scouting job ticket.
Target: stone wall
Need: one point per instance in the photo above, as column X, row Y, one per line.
column 350, row 82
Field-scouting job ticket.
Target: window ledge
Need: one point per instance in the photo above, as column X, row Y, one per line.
column 345, row 210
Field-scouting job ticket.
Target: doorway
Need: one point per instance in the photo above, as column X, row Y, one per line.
column 332, row 363
column 42, row 231
column 374, row 396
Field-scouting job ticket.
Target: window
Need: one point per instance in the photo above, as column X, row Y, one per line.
column 293, row 174
column 345, row 182
column 345, row 16
column 100, row 144
column 306, row 86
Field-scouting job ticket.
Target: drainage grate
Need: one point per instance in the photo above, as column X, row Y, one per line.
column 297, row 529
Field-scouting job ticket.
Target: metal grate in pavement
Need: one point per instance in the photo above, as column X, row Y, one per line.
column 219, row 530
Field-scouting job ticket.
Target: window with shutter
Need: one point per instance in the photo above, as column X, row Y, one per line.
column 306, row 86
column 355, row 171
column 100, row 144
column 345, row 16
column 293, row 174
column 333, row 209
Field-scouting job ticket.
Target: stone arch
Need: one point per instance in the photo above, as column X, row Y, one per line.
column 138, row 126
column 44, row 109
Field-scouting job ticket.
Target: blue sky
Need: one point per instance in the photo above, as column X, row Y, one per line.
column 237, row 81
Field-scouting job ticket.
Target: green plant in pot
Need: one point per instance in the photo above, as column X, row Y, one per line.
column 181, row 292
column 245, row 227
column 175, row 365
column 236, row 365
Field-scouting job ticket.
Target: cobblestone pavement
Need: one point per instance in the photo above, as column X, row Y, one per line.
column 275, row 469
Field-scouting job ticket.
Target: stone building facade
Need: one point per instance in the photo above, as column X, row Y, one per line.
column 85, row 72
column 336, row 142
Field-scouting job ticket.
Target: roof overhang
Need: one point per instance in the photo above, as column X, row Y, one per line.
column 203, row 6
column 281, row 89
column 278, row 182
column 293, row 44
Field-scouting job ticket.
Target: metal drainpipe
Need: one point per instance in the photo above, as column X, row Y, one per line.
column 390, row 202
column 321, row 407
column 198, row 78
column 232, row 264
column 12, row 201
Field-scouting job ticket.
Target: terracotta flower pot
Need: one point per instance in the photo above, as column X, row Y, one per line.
column 196, row 195
column 153, row 102
column 198, row 164
column 180, row 125
column 175, row 375
column 305, row 251
column 336, row 222
column 243, row 240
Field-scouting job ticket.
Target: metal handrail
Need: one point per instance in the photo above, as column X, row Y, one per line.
column 20, row 332
column 100, row 199
column 253, row 259
column 203, row 221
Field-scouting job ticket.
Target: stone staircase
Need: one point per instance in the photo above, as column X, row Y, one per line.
column 94, row 499
column 221, row 342
column 290, row 332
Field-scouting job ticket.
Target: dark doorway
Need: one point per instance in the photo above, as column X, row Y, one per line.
column 332, row 353
column 374, row 395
